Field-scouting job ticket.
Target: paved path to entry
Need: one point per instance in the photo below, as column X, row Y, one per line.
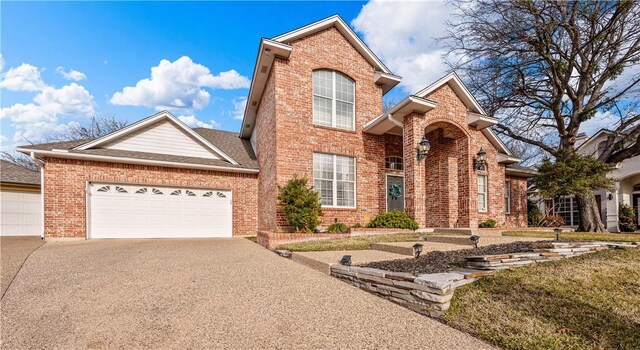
column 199, row 294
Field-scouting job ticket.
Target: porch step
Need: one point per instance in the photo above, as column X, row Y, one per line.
column 456, row 231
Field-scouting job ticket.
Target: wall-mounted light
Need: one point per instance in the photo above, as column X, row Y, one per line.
column 480, row 160
column 610, row 196
column 423, row 148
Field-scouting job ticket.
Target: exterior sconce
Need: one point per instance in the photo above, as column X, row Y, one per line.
column 423, row 148
column 610, row 196
column 480, row 160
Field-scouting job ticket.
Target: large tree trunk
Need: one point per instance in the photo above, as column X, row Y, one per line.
column 589, row 214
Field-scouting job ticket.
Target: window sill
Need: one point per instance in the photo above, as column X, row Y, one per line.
column 333, row 128
column 331, row 207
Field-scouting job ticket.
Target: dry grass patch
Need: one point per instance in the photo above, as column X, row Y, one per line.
column 586, row 302
column 579, row 236
column 351, row 243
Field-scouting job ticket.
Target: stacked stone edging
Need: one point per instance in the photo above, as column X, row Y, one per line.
column 271, row 240
column 541, row 252
column 430, row 294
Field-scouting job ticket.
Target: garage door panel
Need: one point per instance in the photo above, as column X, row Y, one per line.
column 21, row 213
column 154, row 212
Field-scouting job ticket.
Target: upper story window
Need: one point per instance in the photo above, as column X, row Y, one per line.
column 333, row 100
column 394, row 163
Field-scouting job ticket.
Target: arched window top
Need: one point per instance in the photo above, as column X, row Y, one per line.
column 104, row 189
column 333, row 99
column 394, row 163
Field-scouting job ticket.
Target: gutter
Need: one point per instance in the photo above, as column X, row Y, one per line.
column 71, row 155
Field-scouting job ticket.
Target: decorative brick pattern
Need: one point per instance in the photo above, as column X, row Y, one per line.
column 65, row 197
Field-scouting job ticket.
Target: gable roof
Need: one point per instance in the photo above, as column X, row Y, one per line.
column 458, row 86
column 148, row 121
column 279, row 46
column 227, row 142
column 15, row 174
column 593, row 138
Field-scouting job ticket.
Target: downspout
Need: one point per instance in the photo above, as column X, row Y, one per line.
column 41, row 164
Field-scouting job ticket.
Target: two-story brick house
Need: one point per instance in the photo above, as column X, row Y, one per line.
column 314, row 109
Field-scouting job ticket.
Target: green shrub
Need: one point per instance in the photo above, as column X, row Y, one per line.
column 627, row 218
column 393, row 219
column 534, row 216
column 490, row 223
column 356, row 225
column 337, row 228
column 300, row 204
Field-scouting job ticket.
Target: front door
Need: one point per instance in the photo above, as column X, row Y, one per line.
column 395, row 193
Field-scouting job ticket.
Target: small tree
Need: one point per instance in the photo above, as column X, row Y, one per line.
column 577, row 176
column 300, row 204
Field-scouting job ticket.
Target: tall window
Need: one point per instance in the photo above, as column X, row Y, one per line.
column 334, row 177
column 333, row 100
column 567, row 208
column 507, row 197
column 482, row 193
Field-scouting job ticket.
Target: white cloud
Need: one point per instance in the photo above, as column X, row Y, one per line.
column 23, row 78
column 406, row 41
column 194, row 122
column 33, row 121
column 178, row 85
column 71, row 74
column 239, row 104
column 1, row 62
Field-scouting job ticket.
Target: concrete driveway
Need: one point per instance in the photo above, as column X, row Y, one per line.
column 228, row 293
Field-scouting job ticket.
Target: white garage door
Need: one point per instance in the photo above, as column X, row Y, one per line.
column 21, row 213
column 127, row 211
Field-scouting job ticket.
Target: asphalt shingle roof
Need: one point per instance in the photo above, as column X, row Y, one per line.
column 12, row 173
column 230, row 143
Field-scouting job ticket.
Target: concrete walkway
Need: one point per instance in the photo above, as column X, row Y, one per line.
column 13, row 253
column 199, row 294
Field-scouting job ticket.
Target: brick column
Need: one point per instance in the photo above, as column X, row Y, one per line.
column 414, row 171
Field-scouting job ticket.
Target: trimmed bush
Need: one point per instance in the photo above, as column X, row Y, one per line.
column 338, row 227
column 627, row 218
column 393, row 219
column 356, row 225
column 534, row 216
column 300, row 204
column 490, row 223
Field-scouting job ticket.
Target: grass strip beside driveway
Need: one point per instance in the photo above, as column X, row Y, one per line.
column 586, row 302
column 351, row 243
column 579, row 236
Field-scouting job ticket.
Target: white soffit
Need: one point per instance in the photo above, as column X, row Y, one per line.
column 112, row 138
column 395, row 116
column 460, row 89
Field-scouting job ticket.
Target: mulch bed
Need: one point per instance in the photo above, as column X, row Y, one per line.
column 437, row 261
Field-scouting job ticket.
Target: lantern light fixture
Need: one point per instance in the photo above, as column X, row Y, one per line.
column 423, row 148
column 480, row 160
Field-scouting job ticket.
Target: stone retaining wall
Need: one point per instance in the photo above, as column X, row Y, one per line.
column 271, row 240
column 541, row 252
column 430, row 294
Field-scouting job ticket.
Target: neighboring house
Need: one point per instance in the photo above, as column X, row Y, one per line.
column 314, row 109
column 20, row 201
column 626, row 188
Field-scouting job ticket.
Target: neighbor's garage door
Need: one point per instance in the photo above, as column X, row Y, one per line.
column 21, row 213
column 126, row 211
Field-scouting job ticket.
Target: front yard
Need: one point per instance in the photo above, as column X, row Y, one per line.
column 579, row 236
column 351, row 243
column 586, row 302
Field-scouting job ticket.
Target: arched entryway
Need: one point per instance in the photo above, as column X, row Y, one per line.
column 446, row 180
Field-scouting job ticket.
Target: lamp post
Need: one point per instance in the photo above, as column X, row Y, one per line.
column 557, row 231
column 423, row 148
column 474, row 240
column 417, row 249
column 346, row 260
column 480, row 160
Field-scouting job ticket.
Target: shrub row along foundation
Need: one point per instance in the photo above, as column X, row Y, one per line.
column 430, row 294
column 541, row 252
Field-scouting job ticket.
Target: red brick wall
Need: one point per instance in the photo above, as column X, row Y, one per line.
column 297, row 138
column 518, row 215
column 65, row 191
column 266, row 150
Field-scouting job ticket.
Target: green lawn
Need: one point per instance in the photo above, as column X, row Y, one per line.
column 352, row 243
column 579, row 236
column 586, row 302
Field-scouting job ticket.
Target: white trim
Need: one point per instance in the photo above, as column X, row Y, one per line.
column 507, row 210
column 41, row 199
column 496, row 142
column 452, row 77
column 506, row 159
column 486, row 193
column 404, row 107
column 386, row 191
column 125, row 160
column 334, row 100
column 480, row 121
column 342, row 26
column 148, row 121
column 87, row 189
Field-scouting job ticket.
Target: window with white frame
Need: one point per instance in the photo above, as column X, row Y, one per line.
column 334, row 178
column 333, row 100
column 394, row 163
column 507, row 197
column 482, row 193
column 567, row 209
